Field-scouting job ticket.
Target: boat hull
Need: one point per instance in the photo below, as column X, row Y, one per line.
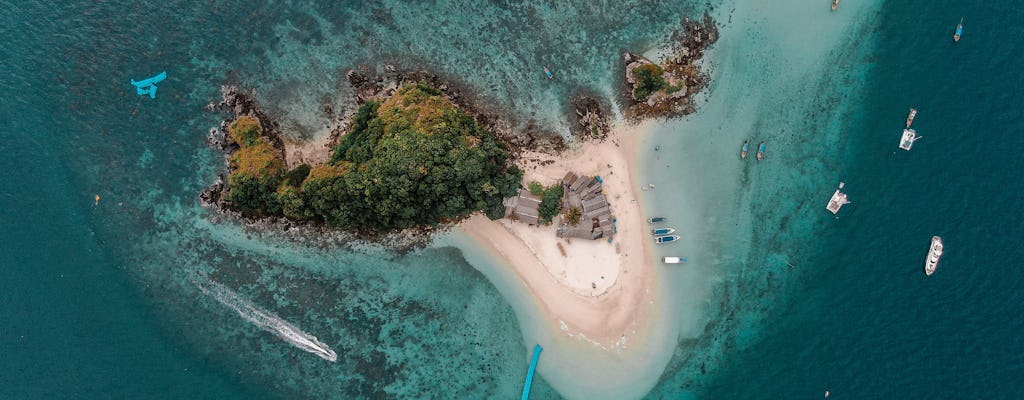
column 666, row 239
column 931, row 262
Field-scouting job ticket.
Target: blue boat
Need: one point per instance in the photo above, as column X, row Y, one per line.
column 745, row 150
column 529, row 374
column 959, row 31
column 662, row 231
column 665, row 239
column 548, row 73
column 654, row 220
column 760, row 151
column 148, row 85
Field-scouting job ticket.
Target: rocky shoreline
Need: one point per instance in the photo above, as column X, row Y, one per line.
column 681, row 77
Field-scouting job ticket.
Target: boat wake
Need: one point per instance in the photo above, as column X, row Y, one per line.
column 265, row 320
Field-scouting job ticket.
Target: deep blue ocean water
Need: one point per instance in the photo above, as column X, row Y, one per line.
column 95, row 300
column 866, row 322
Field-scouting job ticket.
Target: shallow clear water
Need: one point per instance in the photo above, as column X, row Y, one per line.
column 99, row 301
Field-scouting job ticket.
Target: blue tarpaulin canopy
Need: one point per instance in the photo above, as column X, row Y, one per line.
column 148, row 85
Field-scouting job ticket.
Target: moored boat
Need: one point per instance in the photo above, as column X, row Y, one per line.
column 745, row 149
column 673, row 260
column 910, row 117
column 666, row 239
column 835, row 4
column 662, row 231
column 837, row 201
column 959, row 30
column 760, row 151
column 548, row 72
column 654, row 220
column 934, row 253
column 908, row 139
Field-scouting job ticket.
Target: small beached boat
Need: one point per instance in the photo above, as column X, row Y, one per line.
column 673, row 260
column 666, row 239
column 760, row 151
column 959, row 31
column 745, row 149
column 654, row 220
column 835, row 4
column 662, row 231
column 910, row 117
column 548, row 73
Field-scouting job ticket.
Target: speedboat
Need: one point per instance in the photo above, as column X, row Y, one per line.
column 745, row 149
column 959, row 31
column 662, row 231
column 760, row 151
column 910, row 117
column 835, row 4
column 666, row 239
column 673, row 260
column 934, row 253
column 548, row 73
column 654, row 220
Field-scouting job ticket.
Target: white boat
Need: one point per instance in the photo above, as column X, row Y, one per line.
column 934, row 253
column 838, row 200
column 910, row 116
column 908, row 139
column 666, row 239
column 673, row 260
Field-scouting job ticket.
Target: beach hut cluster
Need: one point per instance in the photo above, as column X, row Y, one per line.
column 585, row 193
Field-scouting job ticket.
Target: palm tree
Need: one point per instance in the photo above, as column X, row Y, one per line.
column 573, row 216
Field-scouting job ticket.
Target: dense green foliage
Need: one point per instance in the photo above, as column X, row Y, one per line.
column 254, row 194
column 551, row 203
column 412, row 160
column 298, row 174
column 357, row 146
column 649, row 79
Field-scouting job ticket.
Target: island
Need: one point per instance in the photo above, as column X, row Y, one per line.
column 418, row 156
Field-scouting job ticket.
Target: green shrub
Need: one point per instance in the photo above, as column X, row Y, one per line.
column 551, row 203
column 649, row 79
column 536, row 188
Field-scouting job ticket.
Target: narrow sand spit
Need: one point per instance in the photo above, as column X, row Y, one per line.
column 598, row 289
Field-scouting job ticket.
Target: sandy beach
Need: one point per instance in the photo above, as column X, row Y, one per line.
column 595, row 290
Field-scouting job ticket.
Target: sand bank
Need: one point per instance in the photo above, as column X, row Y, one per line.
column 598, row 289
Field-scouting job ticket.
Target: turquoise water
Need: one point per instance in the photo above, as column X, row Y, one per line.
column 100, row 301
